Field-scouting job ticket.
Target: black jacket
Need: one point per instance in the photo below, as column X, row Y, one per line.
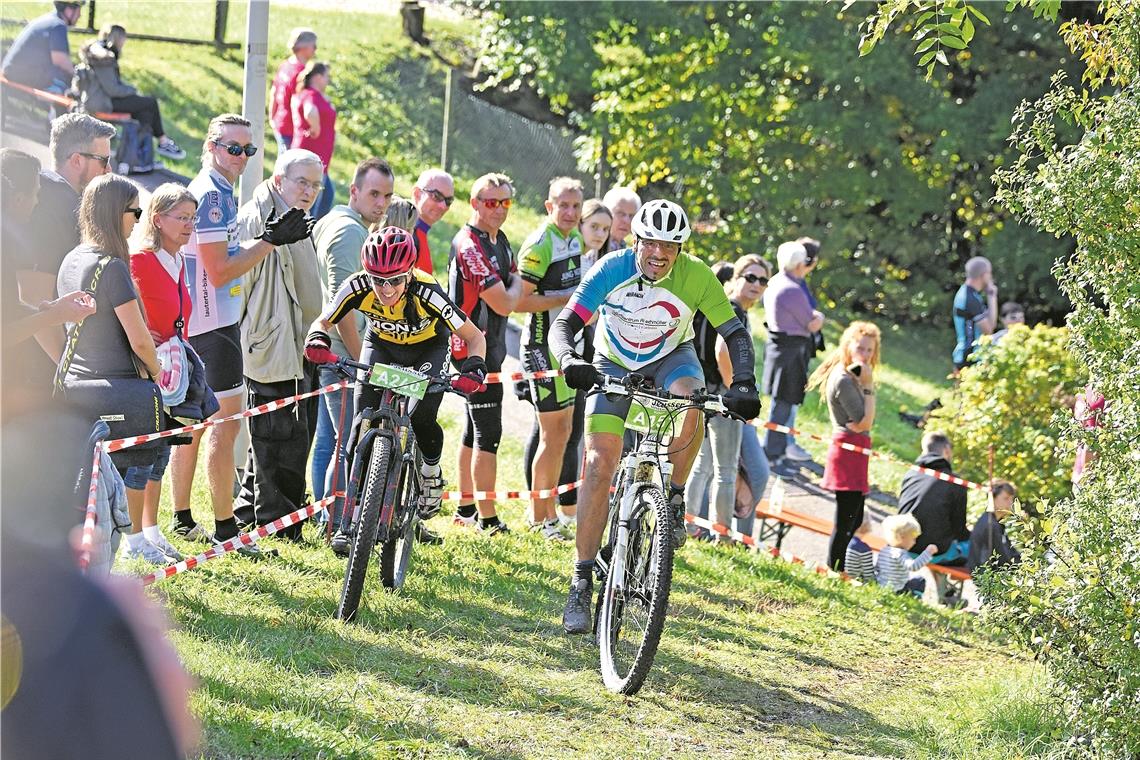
column 989, row 545
column 939, row 507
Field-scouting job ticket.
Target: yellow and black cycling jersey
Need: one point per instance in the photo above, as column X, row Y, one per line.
column 423, row 313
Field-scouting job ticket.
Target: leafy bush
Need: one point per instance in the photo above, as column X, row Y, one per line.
column 1009, row 400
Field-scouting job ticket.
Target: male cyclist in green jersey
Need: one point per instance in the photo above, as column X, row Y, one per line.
column 644, row 298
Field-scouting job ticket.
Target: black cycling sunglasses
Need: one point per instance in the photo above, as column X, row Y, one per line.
column 236, row 150
column 755, row 278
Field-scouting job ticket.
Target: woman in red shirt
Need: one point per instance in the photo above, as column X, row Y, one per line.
column 159, row 273
column 314, row 125
column 303, row 43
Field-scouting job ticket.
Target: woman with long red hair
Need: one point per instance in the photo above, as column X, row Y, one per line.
column 847, row 381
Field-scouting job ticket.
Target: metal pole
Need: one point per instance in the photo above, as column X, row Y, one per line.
column 253, row 96
column 221, row 15
column 91, row 16
column 446, row 119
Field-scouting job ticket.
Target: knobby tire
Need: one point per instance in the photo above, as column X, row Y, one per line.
column 371, row 504
column 396, row 552
column 650, row 548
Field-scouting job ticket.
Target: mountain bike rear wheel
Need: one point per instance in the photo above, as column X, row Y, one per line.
column 631, row 620
column 396, row 551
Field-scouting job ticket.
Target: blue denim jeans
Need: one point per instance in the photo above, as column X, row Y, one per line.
column 716, row 463
column 135, row 478
column 325, row 200
column 330, row 403
column 775, row 444
column 792, row 422
column 323, row 442
column 755, row 468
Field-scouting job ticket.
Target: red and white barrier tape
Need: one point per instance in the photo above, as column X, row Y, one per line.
column 89, row 518
column 244, row 539
column 544, row 493
column 272, row 406
column 505, row 377
column 871, row 453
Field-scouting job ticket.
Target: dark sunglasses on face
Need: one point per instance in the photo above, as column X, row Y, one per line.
column 755, row 278
column 391, row 282
column 136, row 211
column 236, row 150
column 494, row 202
column 440, row 197
column 104, row 160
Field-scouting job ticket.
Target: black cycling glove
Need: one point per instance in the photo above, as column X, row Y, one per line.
column 294, row 225
column 743, row 398
column 580, row 374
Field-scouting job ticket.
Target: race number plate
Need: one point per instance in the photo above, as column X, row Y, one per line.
column 654, row 416
column 404, row 381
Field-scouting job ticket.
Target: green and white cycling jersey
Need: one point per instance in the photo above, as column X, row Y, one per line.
column 641, row 320
column 552, row 262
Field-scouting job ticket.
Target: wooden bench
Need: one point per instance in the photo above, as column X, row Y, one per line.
column 773, row 525
column 38, row 107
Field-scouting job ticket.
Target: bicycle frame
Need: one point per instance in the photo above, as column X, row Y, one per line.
column 640, row 469
column 389, row 420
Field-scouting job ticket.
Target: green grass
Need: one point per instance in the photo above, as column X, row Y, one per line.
column 758, row 659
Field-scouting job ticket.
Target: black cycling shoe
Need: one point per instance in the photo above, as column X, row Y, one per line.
column 677, row 504
column 576, row 614
column 341, row 543
column 425, row 536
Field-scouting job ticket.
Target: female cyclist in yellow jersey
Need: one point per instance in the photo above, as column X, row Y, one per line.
column 410, row 319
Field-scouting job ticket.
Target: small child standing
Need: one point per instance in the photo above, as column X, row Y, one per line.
column 895, row 562
column 858, row 562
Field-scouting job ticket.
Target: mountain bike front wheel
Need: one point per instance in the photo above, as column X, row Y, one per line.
column 371, row 504
column 632, row 618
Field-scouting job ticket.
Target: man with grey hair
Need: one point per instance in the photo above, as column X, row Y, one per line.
column 939, row 506
column 433, row 194
column 281, row 296
column 81, row 151
column 791, row 322
column 216, row 259
column 974, row 317
column 623, row 203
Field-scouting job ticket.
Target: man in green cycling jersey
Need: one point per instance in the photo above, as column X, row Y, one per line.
column 644, row 298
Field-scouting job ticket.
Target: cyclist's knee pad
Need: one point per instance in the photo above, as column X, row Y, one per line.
column 485, row 411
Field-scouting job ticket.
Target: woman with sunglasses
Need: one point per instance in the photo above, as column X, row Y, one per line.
column 410, row 321
column 314, row 125
column 109, row 341
column 719, row 457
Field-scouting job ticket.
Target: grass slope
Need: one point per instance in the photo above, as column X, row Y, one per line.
column 759, row 659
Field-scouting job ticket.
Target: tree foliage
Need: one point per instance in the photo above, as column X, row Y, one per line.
column 1010, row 400
column 1075, row 598
column 767, row 124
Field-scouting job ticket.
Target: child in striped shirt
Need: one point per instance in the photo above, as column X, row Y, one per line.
column 896, row 563
column 858, row 562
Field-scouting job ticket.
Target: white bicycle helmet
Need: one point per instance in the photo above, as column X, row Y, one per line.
column 661, row 220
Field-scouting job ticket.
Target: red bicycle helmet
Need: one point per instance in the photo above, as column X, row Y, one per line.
column 388, row 252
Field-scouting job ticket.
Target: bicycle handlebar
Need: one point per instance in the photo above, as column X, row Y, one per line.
column 636, row 384
column 443, row 381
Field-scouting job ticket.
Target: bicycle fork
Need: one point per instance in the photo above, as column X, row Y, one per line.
column 638, row 474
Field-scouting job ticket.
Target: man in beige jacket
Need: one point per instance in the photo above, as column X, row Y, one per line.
column 281, row 298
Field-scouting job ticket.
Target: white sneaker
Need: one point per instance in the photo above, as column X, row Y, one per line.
column 165, row 547
column 797, row 453
column 568, row 521
column 145, row 551
column 466, row 522
column 551, row 530
column 432, row 496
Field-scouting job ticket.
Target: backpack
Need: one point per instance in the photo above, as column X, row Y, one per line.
column 134, row 153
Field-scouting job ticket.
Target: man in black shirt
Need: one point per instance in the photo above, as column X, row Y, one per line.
column 483, row 281
column 939, row 507
column 81, row 151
